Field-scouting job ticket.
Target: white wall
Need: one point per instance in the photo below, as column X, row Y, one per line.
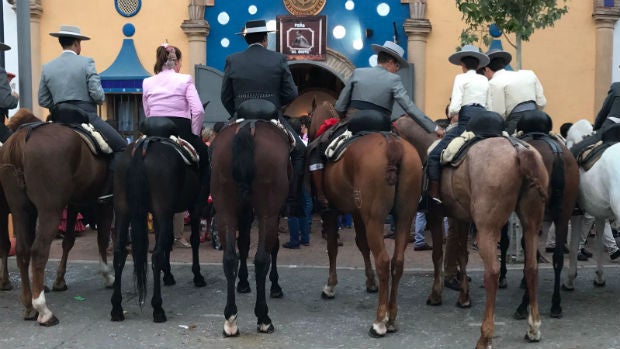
column 10, row 38
column 615, row 75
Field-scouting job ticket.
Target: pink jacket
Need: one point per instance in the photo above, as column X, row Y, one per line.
column 172, row 94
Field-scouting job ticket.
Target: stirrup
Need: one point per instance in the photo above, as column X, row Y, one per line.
column 436, row 200
column 105, row 198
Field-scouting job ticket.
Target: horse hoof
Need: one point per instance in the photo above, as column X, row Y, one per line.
column 117, row 316
column 59, row 288
column 566, row 288
column 53, row 321
column 276, row 293
column 391, row 328
column 598, row 283
column 433, row 302
column 373, row 289
column 520, row 314
column 243, row 288
column 503, row 283
column 531, row 339
column 7, row 286
column 375, row 334
column 169, row 280
column 556, row 314
column 226, row 335
column 265, row 328
column 200, row 281
column 46, row 289
column 327, row 296
column 463, row 305
column 31, row 315
column 159, row 317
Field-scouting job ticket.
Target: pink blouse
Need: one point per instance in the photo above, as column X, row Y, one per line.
column 172, row 94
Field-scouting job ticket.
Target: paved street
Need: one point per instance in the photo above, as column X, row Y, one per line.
column 302, row 319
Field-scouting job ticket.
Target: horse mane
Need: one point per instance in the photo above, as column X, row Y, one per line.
column 319, row 114
column 21, row 117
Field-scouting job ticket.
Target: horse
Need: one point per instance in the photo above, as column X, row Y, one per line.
column 39, row 181
column 563, row 175
column 249, row 177
column 377, row 174
column 151, row 175
column 475, row 192
column 599, row 195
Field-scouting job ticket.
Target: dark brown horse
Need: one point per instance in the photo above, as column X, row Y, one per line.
column 376, row 175
column 476, row 192
column 249, row 178
column 563, row 189
column 43, row 170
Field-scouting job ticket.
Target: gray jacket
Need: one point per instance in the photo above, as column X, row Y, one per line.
column 70, row 78
column 380, row 87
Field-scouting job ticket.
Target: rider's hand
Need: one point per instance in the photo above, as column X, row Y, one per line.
column 440, row 132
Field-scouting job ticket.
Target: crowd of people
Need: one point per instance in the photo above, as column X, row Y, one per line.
column 485, row 83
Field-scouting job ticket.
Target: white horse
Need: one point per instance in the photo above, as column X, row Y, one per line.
column 599, row 195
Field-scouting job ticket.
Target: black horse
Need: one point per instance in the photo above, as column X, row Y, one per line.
column 152, row 176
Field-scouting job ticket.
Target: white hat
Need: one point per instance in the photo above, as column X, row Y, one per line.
column 392, row 49
column 4, row 47
column 70, row 31
column 469, row 51
column 258, row 26
column 497, row 53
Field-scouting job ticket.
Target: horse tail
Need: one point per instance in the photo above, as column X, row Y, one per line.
column 532, row 169
column 556, row 183
column 394, row 153
column 138, row 196
column 243, row 167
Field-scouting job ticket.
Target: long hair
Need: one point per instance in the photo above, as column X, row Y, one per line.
column 166, row 56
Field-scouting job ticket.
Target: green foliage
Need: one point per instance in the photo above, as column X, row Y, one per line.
column 520, row 17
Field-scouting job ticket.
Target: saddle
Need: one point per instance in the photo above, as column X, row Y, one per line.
column 93, row 139
column 590, row 149
column 537, row 125
column 275, row 122
column 486, row 124
column 162, row 130
column 257, row 109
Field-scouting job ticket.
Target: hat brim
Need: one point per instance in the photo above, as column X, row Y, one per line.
column 378, row 48
column 502, row 54
column 456, row 57
column 254, row 31
column 69, row 35
column 4, row 47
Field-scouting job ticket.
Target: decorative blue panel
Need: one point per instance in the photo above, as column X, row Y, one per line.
column 128, row 8
column 609, row 3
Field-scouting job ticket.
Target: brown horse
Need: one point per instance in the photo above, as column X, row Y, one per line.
column 42, row 171
column 249, row 177
column 476, row 192
column 376, row 175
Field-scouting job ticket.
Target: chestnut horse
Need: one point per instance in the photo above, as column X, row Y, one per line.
column 43, row 170
column 249, row 177
column 376, row 175
column 152, row 176
column 476, row 192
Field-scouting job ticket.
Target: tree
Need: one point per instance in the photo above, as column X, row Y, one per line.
column 518, row 17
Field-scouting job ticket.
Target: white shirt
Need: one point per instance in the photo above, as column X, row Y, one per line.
column 468, row 88
column 507, row 89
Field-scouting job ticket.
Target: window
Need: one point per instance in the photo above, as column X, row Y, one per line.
column 125, row 113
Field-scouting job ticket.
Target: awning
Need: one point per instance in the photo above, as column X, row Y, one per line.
column 125, row 75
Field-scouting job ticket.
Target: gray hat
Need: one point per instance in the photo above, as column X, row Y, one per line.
column 70, row 31
column 497, row 53
column 257, row 26
column 392, row 49
column 469, row 51
column 4, row 47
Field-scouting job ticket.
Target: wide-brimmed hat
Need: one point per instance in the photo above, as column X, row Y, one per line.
column 4, row 47
column 497, row 53
column 392, row 49
column 469, row 51
column 257, row 26
column 70, row 31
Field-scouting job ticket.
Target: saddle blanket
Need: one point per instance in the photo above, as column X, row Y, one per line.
column 337, row 147
column 93, row 139
column 454, row 153
column 591, row 154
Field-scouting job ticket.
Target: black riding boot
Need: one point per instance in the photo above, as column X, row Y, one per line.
column 434, row 191
column 108, row 186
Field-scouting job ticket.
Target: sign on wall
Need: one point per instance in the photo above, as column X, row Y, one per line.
column 302, row 37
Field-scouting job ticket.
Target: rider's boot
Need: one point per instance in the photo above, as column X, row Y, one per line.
column 434, row 191
column 317, row 180
column 107, row 192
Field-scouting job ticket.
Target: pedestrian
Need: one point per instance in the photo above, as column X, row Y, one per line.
column 469, row 97
column 512, row 93
column 372, row 89
column 71, row 81
column 261, row 74
column 171, row 95
column 8, row 98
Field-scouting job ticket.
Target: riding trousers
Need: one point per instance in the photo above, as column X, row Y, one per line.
column 465, row 114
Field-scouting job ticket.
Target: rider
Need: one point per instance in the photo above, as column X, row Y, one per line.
column 258, row 73
column 8, row 98
column 72, row 79
column 376, row 89
column 512, row 93
column 610, row 111
column 469, row 97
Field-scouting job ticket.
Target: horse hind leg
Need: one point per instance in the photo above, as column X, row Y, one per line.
column 374, row 229
column 276, row 290
column 104, row 230
column 504, row 243
column 330, row 225
column 5, row 246
column 195, row 212
column 268, row 227
column 487, row 248
column 120, row 257
column 243, row 242
column 602, row 228
column 67, row 244
column 230, row 261
column 362, row 245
